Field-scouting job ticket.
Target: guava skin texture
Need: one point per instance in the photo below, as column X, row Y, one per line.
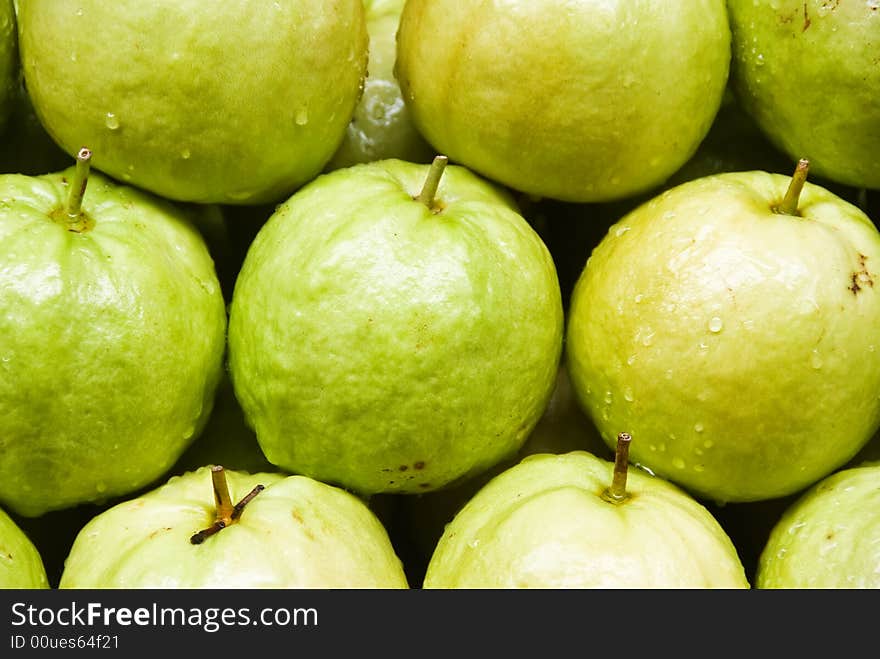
column 296, row 533
column 809, row 74
column 829, row 537
column 545, row 524
column 239, row 102
column 577, row 101
column 381, row 126
column 737, row 345
column 111, row 340
column 386, row 346
column 21, row 565
column 8, row 60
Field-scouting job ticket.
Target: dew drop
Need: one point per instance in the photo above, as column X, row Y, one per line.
column 638, row 298
column 609, row 397
column 698, row 427
column 699, row 468
column 708, row 443
column 473, row 544
column 186, row 154
column 101, row 487
column 816, row 359
column 678, row 463
column 302, row 117
column 620, row 231
column 715, row 324
column 648, row 338
column 111, row 121
column 628, row 395
column 631, row 360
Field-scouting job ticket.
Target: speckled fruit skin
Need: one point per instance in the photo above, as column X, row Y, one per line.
column 21, row 565
column 296, row 533
column 577, row 101
column 829, row 537
column 111, row 340
column 239, row 102
column 738, row 346
column 544, row 524
column 809, row 74
column 388, row 347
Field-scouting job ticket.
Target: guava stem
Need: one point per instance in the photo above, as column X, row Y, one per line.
column 221, row 494
column 432, row 182
column 789, row 205
column 617, row 492
column 78, row 184
column 239, row 507
column 226, row 513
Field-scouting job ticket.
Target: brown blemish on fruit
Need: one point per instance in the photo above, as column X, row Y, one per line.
column 829, row 535
column 861, row 277
column 418, row 465
column 297, row 517
column 403, row 467
column 424, row 485
column 157, row 532
column 807, row 20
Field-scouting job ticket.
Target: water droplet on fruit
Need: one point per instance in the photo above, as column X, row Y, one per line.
column 473, row 544
column 652, row 447
column 871, row 347
column 698, row 427
column 678, row 463
column 111, row 121
column 708, row 443
column 759, row 60
column 648, row 338
column 72, row 57
column 302, row 117
column 638, row 298
column 620, row 231
column 609, row 397
column 669, row 374
column 704, row 345
column 668, row 215
column 186, row 154
column 101, row 487
column 79, row 12
column 815, row 359
column 715, row 324
column 628, row 395
column 631, row 360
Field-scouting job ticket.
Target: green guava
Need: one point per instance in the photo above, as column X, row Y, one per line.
column 829, row 537
column 21, row 565
column 577, row 101
column 112, row 336
column 381, row 126
column 388, row 338
column 551, row 521
column 238, row 102
column 808, row 72
column 295, row 533
column 730, row 326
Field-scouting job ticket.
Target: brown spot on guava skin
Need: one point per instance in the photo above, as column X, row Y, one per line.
column 403, row 467
column 297, row 516
column 807, row 20
column 424, row 485
column 861, row 277
column 419, row 465
column 829, row 535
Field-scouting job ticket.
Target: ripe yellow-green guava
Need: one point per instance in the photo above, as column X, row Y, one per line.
column 389, row 340
column 808, row 71
column 295, row 533
column 549, row 522
column 112, row 336
column 381, row 126
column 237, row 102
column 8, row 60
column 577, row 101
column 731, row 327
column 21, row 565
column 829, row 537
